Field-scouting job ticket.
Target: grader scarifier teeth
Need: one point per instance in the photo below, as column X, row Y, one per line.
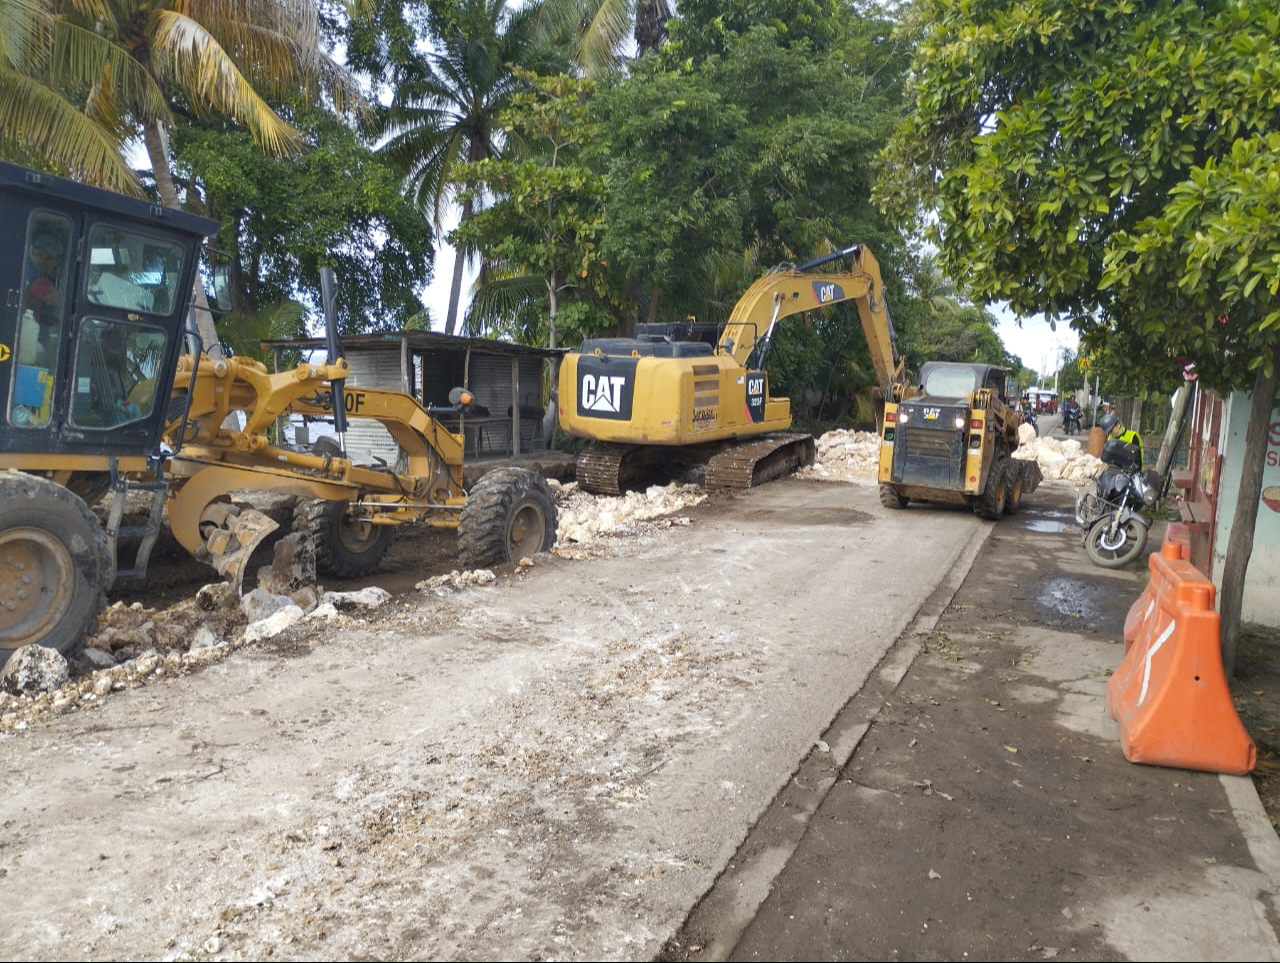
column 231, row 540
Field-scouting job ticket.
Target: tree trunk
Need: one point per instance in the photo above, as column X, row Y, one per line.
column 652, row 315
column 553, row 290
column 153, row 137
column 459, row 263
column 455, row 292
column 1240, row 542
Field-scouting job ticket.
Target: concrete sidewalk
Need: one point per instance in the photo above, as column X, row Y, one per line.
column 973, row 800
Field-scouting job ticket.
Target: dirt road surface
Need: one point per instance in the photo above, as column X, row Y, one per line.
column 553, row 766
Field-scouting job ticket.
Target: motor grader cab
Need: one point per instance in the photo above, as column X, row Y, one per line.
column 107, row 390
column 658, row 400
column 951, row 438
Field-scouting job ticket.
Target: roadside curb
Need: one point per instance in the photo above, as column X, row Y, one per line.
column 728, row 907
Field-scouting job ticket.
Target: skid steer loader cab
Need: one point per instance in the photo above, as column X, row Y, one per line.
column 953, row 441
column 96, row 288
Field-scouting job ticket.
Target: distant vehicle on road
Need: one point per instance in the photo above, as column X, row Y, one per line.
column 1042, row 400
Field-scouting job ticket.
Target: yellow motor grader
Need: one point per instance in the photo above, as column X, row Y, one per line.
column 108, row 391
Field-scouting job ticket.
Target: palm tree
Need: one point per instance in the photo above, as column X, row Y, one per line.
column 130, row 61
column 448, row 115
column 597, row 29
column 39, row 126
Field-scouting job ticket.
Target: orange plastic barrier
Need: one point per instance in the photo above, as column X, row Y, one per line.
column 1170, row 694
column 1177, row 534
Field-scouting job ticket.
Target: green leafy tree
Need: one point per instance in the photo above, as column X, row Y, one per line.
column 707, row 27
column 770, row 147
column 337, row 203
column 1114, row 164
column 546, row 219
column 673, row 173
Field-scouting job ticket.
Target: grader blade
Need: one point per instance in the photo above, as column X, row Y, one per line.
column 233, row 541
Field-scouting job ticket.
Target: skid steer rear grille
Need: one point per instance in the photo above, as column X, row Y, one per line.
column 924, row 442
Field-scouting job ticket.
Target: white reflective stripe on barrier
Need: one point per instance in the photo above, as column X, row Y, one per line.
column 1155, row 647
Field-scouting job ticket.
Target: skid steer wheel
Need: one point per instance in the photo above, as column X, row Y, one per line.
column 54, row 568
column 1013, row 488
column 345, row 547
column 509, row 514
column 890, row 498
column 991, row 503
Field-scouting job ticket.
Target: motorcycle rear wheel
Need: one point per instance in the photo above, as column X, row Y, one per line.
column 1108, row 551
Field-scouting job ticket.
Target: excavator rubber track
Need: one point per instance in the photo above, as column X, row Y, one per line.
column 746, row 465
column 602, row 468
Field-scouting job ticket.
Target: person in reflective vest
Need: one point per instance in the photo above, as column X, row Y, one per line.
column 1110, row 424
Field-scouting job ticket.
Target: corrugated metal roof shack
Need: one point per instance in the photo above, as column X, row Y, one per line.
column 428, row 365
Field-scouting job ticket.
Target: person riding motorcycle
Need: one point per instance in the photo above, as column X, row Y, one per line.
column 1070, row 416
column 1111, row 427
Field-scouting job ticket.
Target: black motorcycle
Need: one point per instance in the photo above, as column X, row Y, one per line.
column 1115, row 531
column 1071, row 420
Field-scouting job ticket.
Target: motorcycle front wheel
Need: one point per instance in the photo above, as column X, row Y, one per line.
column 1115, row 551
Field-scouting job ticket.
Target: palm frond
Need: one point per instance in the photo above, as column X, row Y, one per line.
column 37, row 122
column 79, row 56
column 298, row 19
column 25, row 26
column 496, row 300
column 608, row 26
column 192, row 59
column 90, row 11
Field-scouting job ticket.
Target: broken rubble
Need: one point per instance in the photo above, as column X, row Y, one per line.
column 1058, row 459
column 34, row 668
column 366, row 598
column 273, row 624
column 260, row 604
column 456, row 579
column 583, row 516
column 845, row 455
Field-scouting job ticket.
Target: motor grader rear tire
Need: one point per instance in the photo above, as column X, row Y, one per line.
column 509, row 514
column 54, row 568
column 345, row 548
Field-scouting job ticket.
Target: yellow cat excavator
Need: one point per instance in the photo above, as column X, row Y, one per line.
column 656, row 400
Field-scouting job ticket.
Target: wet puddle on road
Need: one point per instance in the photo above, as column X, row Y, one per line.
column 1047, row 525
column 1071, row 598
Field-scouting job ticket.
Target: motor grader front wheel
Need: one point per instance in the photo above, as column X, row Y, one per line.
column 509, row 514
column 345, row 547
column 54, row 569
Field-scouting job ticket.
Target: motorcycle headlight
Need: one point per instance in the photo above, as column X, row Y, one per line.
column 1148, row 484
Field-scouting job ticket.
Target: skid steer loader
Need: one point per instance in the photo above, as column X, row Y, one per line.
column 107, row 391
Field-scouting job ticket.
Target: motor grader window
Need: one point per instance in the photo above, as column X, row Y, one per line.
column 41, row 312
column 133, row 272
column 113, row 380
column 950, row 382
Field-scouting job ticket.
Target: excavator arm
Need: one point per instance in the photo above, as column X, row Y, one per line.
column 790, row 290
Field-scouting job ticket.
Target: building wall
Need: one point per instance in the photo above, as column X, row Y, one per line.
column 1262, row 585
column 373, row 369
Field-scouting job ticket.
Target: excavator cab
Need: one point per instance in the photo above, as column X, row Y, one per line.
column 92, row 322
